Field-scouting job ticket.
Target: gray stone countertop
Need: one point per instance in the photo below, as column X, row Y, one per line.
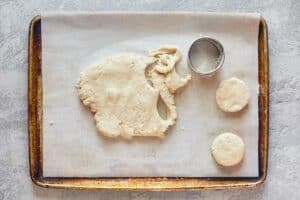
column 283, row 18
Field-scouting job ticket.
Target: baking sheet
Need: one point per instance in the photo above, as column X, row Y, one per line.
column 71, row 145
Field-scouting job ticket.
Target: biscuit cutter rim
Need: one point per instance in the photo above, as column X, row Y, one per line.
column 219, row 61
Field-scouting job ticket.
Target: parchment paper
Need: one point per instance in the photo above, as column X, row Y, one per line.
column 72, row 146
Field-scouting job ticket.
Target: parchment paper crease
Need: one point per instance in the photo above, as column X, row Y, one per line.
column 71, row 145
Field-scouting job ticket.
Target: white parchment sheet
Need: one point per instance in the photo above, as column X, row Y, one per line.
column 71, row 145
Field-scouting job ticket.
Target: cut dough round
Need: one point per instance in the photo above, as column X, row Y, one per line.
column 228, row 149
column 232, row 95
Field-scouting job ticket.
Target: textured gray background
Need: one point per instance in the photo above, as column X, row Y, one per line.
column 283, row 18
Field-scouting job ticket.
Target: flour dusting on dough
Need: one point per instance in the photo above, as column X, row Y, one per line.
column 124, row 104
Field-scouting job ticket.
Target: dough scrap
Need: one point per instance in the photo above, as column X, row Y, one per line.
column 228, row 149
column 232, row 95
column 124, row 104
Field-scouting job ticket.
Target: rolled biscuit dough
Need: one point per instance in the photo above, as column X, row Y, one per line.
column 124, row 104
column 232, row 95
column 228, row 149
